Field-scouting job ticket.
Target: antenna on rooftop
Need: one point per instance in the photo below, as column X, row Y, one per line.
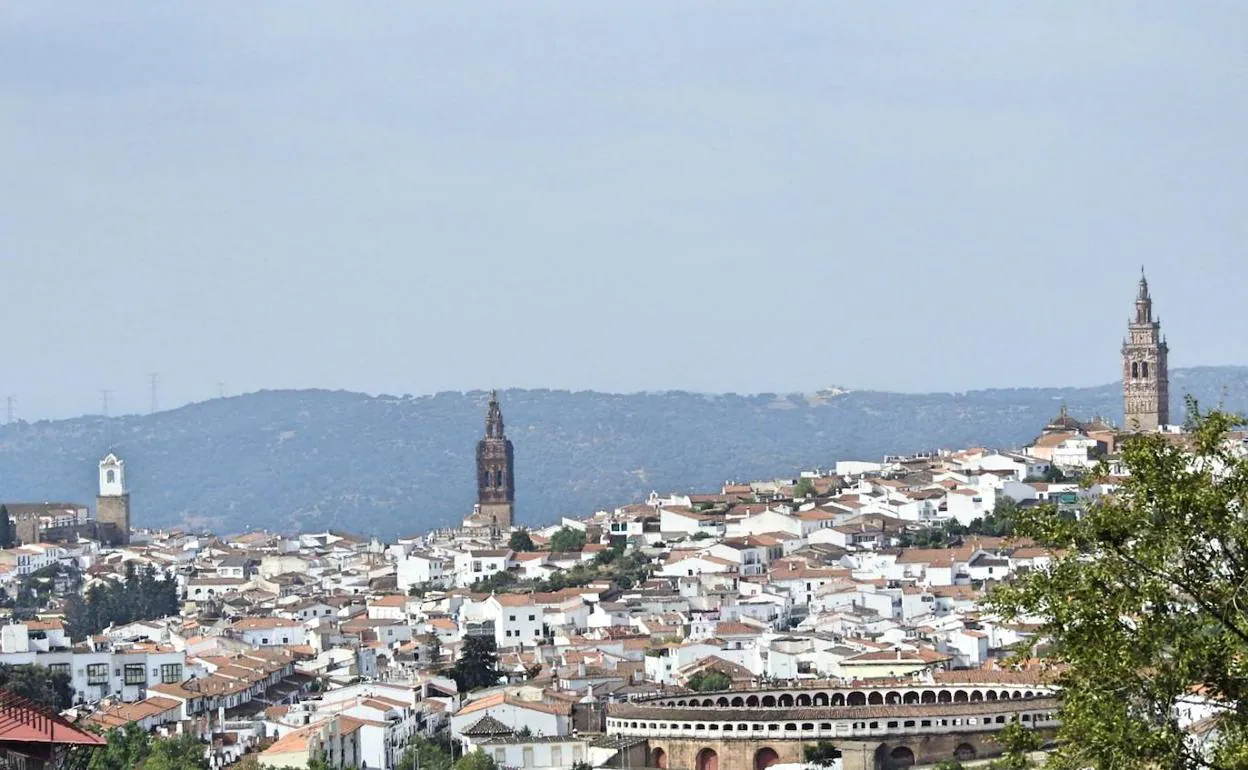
column 155, row 377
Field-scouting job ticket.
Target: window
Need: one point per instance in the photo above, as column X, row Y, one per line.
column 97, row 673
column 136, row 673
column 556, row 755
column 1144, row 370
column 532, row 618
column 1135, row 368
column 112, row 477
column 500, row 755
column 171, row 673
column 59, row 668
column 512, row 618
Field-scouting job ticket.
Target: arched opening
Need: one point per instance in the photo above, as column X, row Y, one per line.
column 964, row 752
column 1017, row 695
column 791, row 727
column 769, row 701
column 1028, row 694
column 681, row 703
column 786, row 701
column 910, row 698
column 112, row 477
column 821, row 699
column 945, row 697
column 901, row 757
column 892, row 698
column 658, row 758
column 1135, row 369
column 838, row 699
column 857, row 699
column 1144, row 370
column 960, row 697
column 928, row 696
column 1005, row 695
column 752, row 701
column 728, row 728
column 707, row 760
column 875, row 699
column 976, row 696
column 991, row 695
column 803, row 700
column 707, row 703
column 737, row 701
column 765, row 757
column 722, row 703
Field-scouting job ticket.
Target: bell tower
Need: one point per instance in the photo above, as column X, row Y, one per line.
column 1145, row 370
column 496, row 482
column 112, row 506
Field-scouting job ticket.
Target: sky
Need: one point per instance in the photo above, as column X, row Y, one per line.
column 400, row 197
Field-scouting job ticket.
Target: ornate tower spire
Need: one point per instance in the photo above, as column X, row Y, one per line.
column 1145, row 369
column 496, row 483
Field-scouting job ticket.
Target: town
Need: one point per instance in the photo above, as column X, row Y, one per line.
column 833, row 617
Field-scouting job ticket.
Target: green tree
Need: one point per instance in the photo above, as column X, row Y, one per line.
column 1019, row 744
column 567, row 539
column 477, row 760
column 708, row 680
column 823, row 753
column 38, row 684
column 477, row 666
column 805, row 488
column 1143, row 603
column 182, row 752
column 948, row 764
column 521, row 541
column 7, row 530
column 126, row 749
column 423, row 754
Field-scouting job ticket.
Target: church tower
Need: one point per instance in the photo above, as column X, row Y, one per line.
column 496, row 482
column 112, row 506
column 1145, row 372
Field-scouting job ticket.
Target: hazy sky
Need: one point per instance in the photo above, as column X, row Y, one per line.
column 769, row 196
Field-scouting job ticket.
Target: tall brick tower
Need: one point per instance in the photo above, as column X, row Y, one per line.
column 496, row 481
column 1145, row 372
column 112, row 506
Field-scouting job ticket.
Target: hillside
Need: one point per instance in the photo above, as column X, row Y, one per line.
column 313, row 459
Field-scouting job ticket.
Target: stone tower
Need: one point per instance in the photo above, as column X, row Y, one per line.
column 112, row 506
column 496, row 481
column 1145, row 372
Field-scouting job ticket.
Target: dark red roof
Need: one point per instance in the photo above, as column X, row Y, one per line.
column 24, row 722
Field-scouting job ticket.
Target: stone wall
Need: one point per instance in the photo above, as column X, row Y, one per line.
column 112, row 513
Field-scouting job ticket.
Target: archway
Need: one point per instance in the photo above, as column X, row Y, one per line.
column 765, row 757
column 960, row 696
column 707, row 760
column 892, row 698
column 737, row 702
column 838, row 699
column 707, row 703
column 769, row 701
column 875, row 699
column 976, row 696
column 910, row 698
column 722, row 703
column 857, row 699
column 785, row 701
column 803, row 699
column 929, row 696
column 901, row 757
column 821, row 699
column 964, row 752
column 945, row 696
column 658, row 758
column 992, row 695
column 752, row 701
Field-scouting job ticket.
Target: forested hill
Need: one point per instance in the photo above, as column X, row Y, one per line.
column 385, row 465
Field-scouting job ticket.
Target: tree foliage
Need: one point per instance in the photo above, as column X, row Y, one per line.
column 567, row 539
column 477, row 760
column 1143, row 606
column 823, row 753
column 423, row 754
column 477, row 666
column 143, row 596
column 8, row 535
column 805, row 487
column 520, row 540
column 38, row 684
column 708, row 680
column 1019, row 744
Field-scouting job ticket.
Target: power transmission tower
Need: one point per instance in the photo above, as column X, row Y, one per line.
column 10, row 410
column 220, row 390
column 155, row 389
column 106, row 397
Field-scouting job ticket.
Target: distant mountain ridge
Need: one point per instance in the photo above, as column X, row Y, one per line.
column 314, row 459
